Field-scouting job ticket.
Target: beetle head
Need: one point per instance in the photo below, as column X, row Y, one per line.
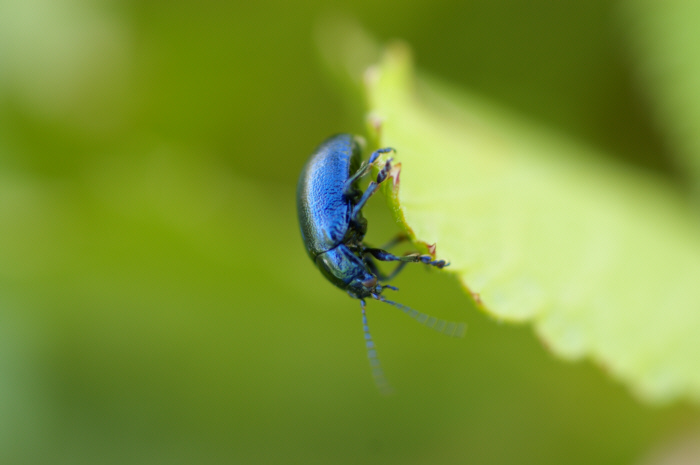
column 347, row 271
column 364, row 284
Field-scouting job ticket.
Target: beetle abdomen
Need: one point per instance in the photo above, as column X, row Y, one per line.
column 323, row 209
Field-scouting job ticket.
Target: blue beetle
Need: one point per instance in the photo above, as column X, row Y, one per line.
column 329, row 205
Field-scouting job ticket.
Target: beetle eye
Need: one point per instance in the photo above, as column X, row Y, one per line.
column 370, row 283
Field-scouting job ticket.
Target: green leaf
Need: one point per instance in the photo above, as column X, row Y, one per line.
column 664, row 38
column 602, row 259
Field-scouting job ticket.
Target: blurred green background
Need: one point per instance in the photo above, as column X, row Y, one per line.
column 156, row 303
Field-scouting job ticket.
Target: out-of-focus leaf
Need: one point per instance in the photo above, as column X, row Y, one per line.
column 664, row 37
column 65, row 60
column 602, row 259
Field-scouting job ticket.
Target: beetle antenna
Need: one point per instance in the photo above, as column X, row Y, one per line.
column 449, row 328
column 377, row 372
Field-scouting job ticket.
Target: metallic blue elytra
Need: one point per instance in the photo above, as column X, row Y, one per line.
column 329, row 205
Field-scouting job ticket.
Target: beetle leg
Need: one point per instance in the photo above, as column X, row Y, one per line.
column 371, row 189
column 400, row 237
column 364, row 169
column 385, row 256
column 378, row 273
column 378, row 152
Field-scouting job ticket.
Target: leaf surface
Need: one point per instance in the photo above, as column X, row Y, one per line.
column 604, row 260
